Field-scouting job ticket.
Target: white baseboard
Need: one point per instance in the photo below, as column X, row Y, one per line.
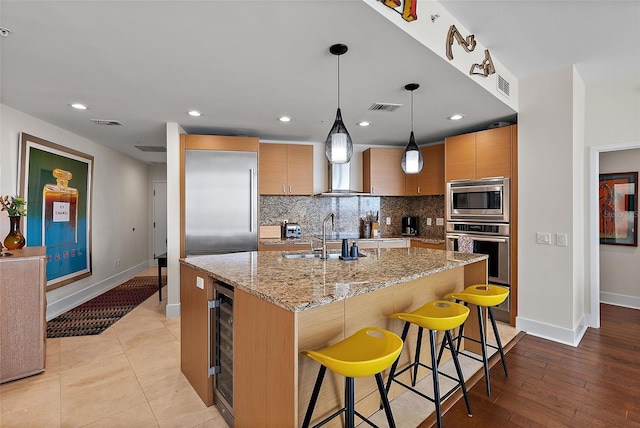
column 563, row 335
column 67, row 303
column 172, row 310
column 620, row 300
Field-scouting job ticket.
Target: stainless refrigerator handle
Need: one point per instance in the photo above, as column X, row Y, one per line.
column 251, row 197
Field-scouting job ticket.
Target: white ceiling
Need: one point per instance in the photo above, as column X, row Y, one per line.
column 244, row 63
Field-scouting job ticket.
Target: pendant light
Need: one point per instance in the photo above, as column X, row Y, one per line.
column 338, row 147
column 412, row 157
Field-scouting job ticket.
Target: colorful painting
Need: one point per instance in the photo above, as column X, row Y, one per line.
column 618, row 197
column 56, row 182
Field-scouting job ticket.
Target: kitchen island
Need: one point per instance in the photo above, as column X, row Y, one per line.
column 282, row 306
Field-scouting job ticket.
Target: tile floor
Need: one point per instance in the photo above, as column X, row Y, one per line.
column 129, row 376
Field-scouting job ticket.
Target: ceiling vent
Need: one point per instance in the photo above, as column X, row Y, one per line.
column 157, row 149
column 384, row 107
column 503, row 86
column 107, row 122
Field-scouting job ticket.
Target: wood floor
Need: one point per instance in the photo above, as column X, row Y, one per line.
column 596, row 384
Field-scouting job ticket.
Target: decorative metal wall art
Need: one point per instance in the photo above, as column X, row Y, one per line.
column 409, row 10
column 468, row 43
column 486, row 66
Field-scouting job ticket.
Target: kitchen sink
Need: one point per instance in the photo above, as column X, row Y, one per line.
column 313, row 255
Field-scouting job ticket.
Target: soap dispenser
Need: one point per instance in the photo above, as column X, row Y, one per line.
column 354, row 251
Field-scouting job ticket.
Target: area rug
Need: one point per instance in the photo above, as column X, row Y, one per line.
column 98, row 314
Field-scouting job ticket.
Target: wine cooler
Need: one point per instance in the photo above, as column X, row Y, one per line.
column 223, row 351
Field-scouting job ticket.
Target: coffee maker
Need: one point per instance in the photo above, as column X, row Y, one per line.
column 410, row 226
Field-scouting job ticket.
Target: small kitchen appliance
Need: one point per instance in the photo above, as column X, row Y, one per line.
column 291, row 230
column 409, row 226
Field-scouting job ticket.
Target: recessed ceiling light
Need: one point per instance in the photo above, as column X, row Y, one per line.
column 284, row 119
column 194, row 113
column 456, row 116
column 364, row 123
column 79, row 106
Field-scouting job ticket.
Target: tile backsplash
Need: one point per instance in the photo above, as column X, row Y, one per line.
column 309, row 211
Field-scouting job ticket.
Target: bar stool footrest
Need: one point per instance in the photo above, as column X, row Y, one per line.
column 443, row 397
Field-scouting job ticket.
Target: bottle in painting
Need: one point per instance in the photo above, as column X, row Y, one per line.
column 59, row 211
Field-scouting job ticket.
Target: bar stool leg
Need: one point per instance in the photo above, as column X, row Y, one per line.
column 483, row 344
column 456, row 362
column 434, row 373
column 392, row 372
column 314, row 397
column 385, row 401
column 417, row 359
column 349, row 402
column 498, row 341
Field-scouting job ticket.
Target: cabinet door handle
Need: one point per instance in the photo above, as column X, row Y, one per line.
column 373, row 189
column 418, row 189
column 283, row 189
column 289, row 188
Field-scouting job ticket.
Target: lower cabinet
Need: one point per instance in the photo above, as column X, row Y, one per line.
column 23, row 306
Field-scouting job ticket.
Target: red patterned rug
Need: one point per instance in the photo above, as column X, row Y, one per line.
column 98, row 314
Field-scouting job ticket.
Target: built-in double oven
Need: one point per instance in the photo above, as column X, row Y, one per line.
column 477, row 215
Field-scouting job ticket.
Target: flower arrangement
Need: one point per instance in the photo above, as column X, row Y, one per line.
column 13, row 205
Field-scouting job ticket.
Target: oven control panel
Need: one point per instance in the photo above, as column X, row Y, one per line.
column 500, row 229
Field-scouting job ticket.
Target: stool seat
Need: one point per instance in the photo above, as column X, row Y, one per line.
column 365, row 353
column 437, row 315
column 481, row 295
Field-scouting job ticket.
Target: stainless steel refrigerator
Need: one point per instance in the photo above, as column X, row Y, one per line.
column 221, row 202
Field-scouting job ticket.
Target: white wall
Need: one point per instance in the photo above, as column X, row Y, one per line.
column 116, row 207
column 550, row 171
column 157, row 172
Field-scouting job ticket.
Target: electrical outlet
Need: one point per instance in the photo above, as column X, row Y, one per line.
column 439, row 221
column 388, row 221
column 200, row 282
column 116, row 263
column 429, row 221
column 543, row 238
column 561, row 239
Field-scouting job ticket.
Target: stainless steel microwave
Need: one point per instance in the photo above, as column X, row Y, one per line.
column 478, row 200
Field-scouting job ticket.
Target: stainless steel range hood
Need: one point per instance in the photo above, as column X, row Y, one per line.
column 340, row 181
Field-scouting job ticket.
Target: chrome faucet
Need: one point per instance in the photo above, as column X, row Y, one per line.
column 324, row 233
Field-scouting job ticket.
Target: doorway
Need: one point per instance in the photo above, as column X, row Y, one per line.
column 594, row 216
column 159, row 218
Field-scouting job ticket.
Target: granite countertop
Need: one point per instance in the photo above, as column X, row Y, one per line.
column 300, row 284
column 307, row 239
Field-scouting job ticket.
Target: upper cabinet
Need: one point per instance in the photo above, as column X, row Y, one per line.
column 382, row 174
column 285, row 169
column 480, row 154
column 430, row 181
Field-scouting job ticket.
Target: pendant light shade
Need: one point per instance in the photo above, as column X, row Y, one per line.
column 412, row 160
column 338, row 146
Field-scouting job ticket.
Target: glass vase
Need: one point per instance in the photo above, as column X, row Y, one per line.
column 15, row 239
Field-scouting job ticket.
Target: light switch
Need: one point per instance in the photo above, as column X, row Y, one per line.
column 200, row 282
column 429, row 221
column 561, row 239
column 543, row 238
column 439, row 221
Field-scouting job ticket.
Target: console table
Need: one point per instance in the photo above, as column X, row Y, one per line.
column 23, row 325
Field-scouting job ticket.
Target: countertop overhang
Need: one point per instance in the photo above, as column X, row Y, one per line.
column 300, row 284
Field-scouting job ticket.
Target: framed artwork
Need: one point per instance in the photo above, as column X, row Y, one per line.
column 57, row 184
column 618, row 198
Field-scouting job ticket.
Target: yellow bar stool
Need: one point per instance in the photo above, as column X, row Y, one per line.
column 487, row 296
column 367, row 352
column 439, row 315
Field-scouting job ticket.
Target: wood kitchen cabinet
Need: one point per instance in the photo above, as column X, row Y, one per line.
column 285, row 169
column 382, row 174
column 23, row 307
column 430, row 181
column 480, row 154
